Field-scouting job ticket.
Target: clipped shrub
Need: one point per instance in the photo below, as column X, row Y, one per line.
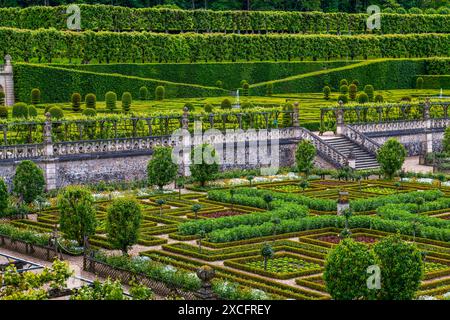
column 369, row 90
column 225, row 104
column 56, row 112
column 35, row 96
column 401, row 10
column 111, row 100
column 126, row 101
column 89, row 112
column 406, row 99
column 160, row 93
column 247, row 105
column 189, row 106
column 355, row 82
column 352, row 91
column 2, row 98
column 443, row 10
column 326, row 92
column 143, row 93
column 28, row 181
column 76, row 102
column 32, row 111
column 219, row 84
column 245, row 89
column 343, row 98
column 415, row 10
column 208, row 107
column 269, row 89
column 344, row 89
column 243, row 82
column 363, row 97
column 379, row 98
column 431, row 11
column 3, row 112
column 20, row 110
column 343, row 82
column 419, row 83
column 91, row 101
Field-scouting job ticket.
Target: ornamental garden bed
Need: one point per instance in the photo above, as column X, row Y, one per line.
column 219, row 214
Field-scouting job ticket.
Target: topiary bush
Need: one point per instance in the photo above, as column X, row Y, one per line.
column 56, row 112
column 415, row 10
column 431, row 11
column 369, row 90
column 245, row 89
column 379, row 98
column 219, row 84
column 208, row 107
column 91, row 101
column 89, row 112
column 189, row 106
column 35, row 96
column 3, row 197
column 126, row 101
column 352, row 91
column 160, row 93
column 344, row 89
column 2, row 98
column 401, row 10
column 326, row 92
column 226, row 104
column 247, row 105
column 20, row 110
column 343, row 98
column 111, row 100
column 3, row 112
column 32, row 111
column 76, row 102
column 343, row 82
column 28, row 181
column 363, row 97
column 419, row 83
column 443, row 10
column 143, row 93
column 269, row 89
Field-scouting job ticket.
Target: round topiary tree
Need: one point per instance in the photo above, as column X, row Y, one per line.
column 77, row 213
column 245, row 89
column 143, row 93
column 401, row 10
column 430, row 11
column 204, row 163
column 28, row 181
column 352, row 91
column 419, row 83
column 160, row 93
column 304, row 156
column 126, row 101
column 326, row 92
column 243, row 82
column 32, row 111
column 89, row 112
column 3, row 112
column 56, row 112
column 345, row 272
column 76, row 102
column 20, row 110
column 391, row 156
column 344, row 89
column 208, row 107
column 226, row 104
column 123, row 221
column 160, row 169
column 379, row 98
column 363, row 98
column 415, row 10
column 343, row 98
column 189, row 107
column 369, row 90
column 111, row 100
column 401, row 268
column 443, row 10
column 247, row 105
column 343, row 82
column 269, row 89
column 91, row 101
column 219, row 84
column 35, row 96
column 355, row 82
column 3, row 197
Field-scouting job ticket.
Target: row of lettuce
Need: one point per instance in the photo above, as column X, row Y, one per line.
column 49, row 44
column 114, row 18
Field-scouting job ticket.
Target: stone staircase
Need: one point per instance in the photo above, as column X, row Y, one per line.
column 364, row 160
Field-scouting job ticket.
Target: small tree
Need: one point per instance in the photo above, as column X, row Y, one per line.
column 304, row 184
column 143, row 93
column 35, row 96
column 201, row 235
column 419, row 83
column 269, row 89
column 196, row 208
column 160, row 93
column 160, row 169
column 304, row 156
column 122, row 223
column 180, row 182
column 352, row 91
column 363, row 98
column 343, row 98
column 326, row 92
column 250, row 179
column 267, row 253
column 226, row 104
column 275, row 222
column 28, row 181
column 401, row 268
column 3, row 197
column 77, row 214
column 204, row 163
column 91, row 101
column 111, row 100
column 268, row 200
column 391, row 157
column 126, row 101
column 369, row 90
column 76, row 102
column 160, row 203
column 345, row 272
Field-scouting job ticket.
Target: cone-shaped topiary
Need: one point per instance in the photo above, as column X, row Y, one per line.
column 352, row 91
column 160, row 93
column 35, row 96
column 369, row 90
column 143, row 93
column 91, row 101
column 111, row 100
column 76, row 102
column 326, row 92
column 126, row 101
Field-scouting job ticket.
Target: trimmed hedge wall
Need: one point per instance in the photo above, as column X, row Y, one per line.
column 58, row 84
column 207, row 74
column 46, row 45
column 114, row 18
column 436, row 82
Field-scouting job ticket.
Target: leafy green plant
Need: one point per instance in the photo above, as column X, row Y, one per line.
column 160, row 169
column 28, row 181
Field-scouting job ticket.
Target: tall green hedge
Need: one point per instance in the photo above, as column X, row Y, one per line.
column 46, row 45
column 115, row 18
column 58, row 84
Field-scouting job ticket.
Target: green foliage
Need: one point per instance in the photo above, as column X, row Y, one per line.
column 326, row 92
column 391, row 156
column 343, row 82
column 345, row 272
column 77, row 213
column 20, row 110
column 35, row 96
column 379, row 98
column 369, row 90
column 3, row 112
column 143, row 93
column 446, row 140
column 76, row 102
column 189, row 107
column 401, row 268
column 208, row 107
column 219, row 84
column 56, row 112
column 126, row 101
column 106, row 290
column 89, row 112
column 419, row 83
column 122, row 223
column 245, row 89
column 2, row 98
column 352, row 91
column 304, row 156
column 363, row 98
column 160, row 169
column 343, row 98
column 225, row 104
column 204, row 163
column 91, row 101
column 28, row 181
column 32, row 111
column 111, row 100
column 344, row 89
column 160, row 93
column 269, row 89
column 3, row 197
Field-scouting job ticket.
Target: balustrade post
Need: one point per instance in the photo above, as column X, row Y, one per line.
column 185, row 119
column 340, row 119
column 428, row 129
column 49, row 161
column 295, row 116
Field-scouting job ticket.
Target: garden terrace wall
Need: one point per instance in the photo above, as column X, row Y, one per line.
column 115, row 18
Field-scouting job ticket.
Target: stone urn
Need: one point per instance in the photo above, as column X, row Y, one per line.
column 206, row 274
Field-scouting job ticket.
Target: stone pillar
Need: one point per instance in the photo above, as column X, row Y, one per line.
column 8, row 81
column 49, row 162
column 340, row 119
column 428, row 128
column 296, row 116
column 185, row 119
column 351, row 160
column 206, row 274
